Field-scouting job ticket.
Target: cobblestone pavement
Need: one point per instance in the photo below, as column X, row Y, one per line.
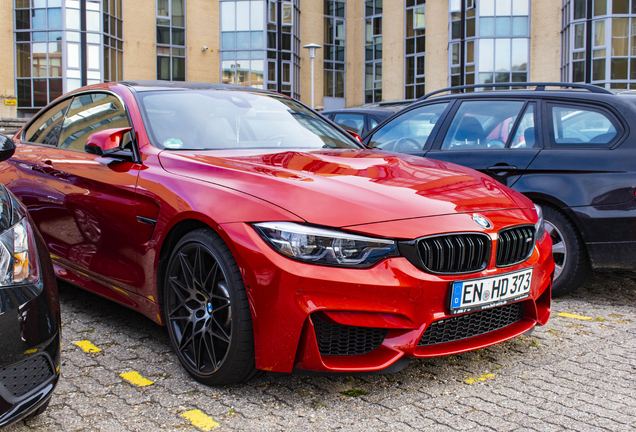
column 572, row 374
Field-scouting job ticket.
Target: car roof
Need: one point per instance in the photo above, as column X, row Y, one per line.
column 155, row 85
column 377, row 111
column 572, row 95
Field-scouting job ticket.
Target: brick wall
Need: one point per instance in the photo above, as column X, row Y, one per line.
column 312, row 31
column 436, row 45
column 140, row 47
column 202, row 27
column 7, row 61
column 545, row 40
column 354, row 51
column 393, row 50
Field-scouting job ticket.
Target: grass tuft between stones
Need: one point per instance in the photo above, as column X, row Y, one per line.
column 354, row 392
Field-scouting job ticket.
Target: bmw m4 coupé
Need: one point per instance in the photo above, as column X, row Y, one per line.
column 267, row 239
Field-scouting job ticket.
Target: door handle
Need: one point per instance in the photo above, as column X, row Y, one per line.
column 502, row 168
column 47, row 166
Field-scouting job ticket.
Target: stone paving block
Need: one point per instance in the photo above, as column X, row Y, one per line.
column 570, row 423
column 580, row 379
column 490, row 420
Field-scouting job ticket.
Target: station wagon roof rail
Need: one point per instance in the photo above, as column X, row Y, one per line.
column 540, row 86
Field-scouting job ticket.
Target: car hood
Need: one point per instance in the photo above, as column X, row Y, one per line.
column 347, row 187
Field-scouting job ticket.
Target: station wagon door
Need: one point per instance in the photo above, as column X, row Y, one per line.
column 497, row 137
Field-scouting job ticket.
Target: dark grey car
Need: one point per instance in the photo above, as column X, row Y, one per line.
column 359, row 120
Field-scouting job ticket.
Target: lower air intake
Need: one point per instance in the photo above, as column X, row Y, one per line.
column 340, row 340
column 22, row 377
column 472, row 324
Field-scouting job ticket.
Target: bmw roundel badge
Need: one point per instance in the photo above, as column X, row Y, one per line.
column 482, row 221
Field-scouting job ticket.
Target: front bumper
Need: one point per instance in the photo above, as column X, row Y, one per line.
column 30, row 330
column 393, row 303
column 27, row 385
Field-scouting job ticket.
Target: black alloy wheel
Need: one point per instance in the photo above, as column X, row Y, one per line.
column 207, row 311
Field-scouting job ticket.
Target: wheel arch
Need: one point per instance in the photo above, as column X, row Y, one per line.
column 177, row 230
column 544, row 199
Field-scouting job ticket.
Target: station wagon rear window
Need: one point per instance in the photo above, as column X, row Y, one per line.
column 578, row 126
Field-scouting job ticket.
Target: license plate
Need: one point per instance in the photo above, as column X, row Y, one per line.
column 484, row 293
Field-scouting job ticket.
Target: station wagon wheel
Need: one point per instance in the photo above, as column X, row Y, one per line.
column 207, row 311
column 570, row 256
column 559, row 249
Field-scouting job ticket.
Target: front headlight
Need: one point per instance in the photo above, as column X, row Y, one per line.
column 18, row 253
column 324, row 246
column 539, row 227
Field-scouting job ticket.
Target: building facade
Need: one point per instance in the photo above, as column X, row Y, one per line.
column 373, row 51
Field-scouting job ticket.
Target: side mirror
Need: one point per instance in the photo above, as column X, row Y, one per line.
column 7, row 147
column 355, row 135
column 105, row 141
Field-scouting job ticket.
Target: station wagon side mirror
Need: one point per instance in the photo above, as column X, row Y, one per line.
column 106, row 141
column 7, row 147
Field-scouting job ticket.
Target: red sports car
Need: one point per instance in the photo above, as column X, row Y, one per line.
column 266, row 238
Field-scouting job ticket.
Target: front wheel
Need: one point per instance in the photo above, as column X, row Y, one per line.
column 207, row 311
column 570, row 257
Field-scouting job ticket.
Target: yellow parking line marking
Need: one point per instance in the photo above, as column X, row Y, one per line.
column 87, row 346
column 478, row 379
column 136, row 379
column 569, row 315
column 31, row 351
column 200, row 420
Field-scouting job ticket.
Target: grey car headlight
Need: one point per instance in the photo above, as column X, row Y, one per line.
column 325, row 246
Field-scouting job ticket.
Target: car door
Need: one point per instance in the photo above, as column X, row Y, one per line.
column 496, row 137
column 412, row 131
column 86, row 203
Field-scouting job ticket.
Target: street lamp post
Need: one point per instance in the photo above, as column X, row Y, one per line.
column 312, row 55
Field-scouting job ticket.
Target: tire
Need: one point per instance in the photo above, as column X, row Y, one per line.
column 207, row 311
column 570, row 256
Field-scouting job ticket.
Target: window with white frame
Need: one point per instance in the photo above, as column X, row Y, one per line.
column 171, row 40
column 61, row 46
column 113, row 41
column 415, row 47
column 489, row 41
column 373, row 51
column 260, row 44
column 599, row 37
column 334, row 48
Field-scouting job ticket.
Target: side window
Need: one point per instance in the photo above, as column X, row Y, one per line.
column 90, row 113
column 46, row 128
column 352, row 122
column 577, row 126
column 373, row 123
column 409, row 131
column 525, row 137
column 482, row 125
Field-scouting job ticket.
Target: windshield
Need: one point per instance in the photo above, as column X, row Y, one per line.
column 217, row 119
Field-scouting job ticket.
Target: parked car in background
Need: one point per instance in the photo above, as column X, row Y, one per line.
column 571, row 151
column 266, row 238
column 359, row 120
column 29, row 310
